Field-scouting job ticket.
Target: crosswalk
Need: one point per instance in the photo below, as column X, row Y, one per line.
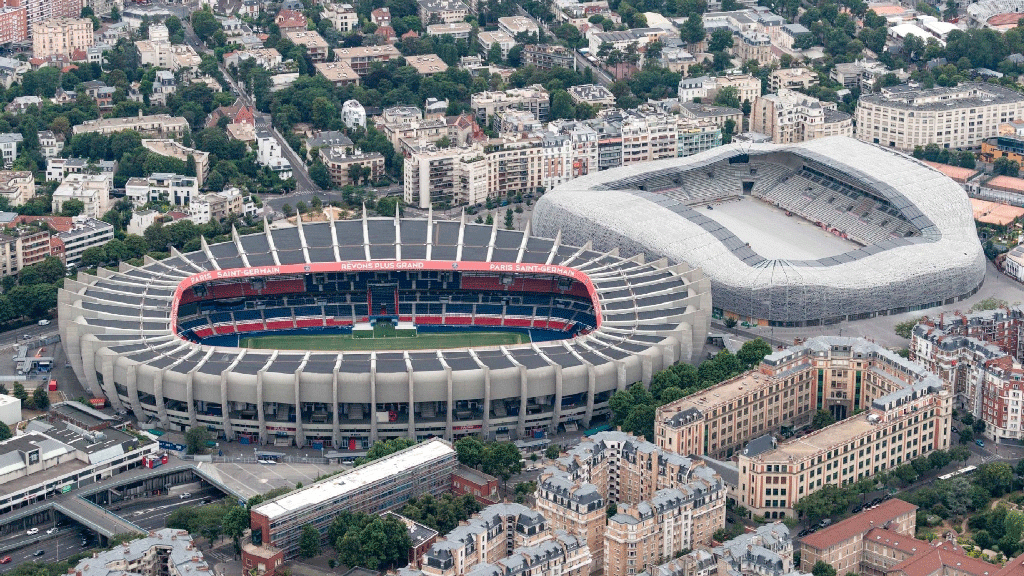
column 218, row 555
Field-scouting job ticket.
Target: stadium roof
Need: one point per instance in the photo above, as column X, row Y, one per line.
column 650, row 209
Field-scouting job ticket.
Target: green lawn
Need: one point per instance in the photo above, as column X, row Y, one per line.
column 345, row 342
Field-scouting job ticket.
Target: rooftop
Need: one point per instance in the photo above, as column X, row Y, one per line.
column 182, row 555
column 970, row 94
column 427, row 64
column 359, row 477
column 858, row 524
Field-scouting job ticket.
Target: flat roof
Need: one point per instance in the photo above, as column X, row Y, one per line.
column 357, row 478
column 820, row 440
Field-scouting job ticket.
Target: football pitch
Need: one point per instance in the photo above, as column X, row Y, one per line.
column 422, row 341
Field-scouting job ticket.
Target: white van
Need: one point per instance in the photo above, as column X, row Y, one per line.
column 44, row 322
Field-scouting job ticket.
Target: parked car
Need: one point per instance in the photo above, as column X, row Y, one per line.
column 980, row 443
column 5, row 560
column 51, row 530
column 185, row 495
column 33, row 531
column 39, row 552
column 825, row 523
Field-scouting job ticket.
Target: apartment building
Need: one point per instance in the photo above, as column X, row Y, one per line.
column 22, row 246
column 593, row 94
column 854, row 544
column 61, row 37
column 50, row 144
column 216, row 206
column 583, row 140
column 268, row 58
column 548, row 56
column 503, row 538
column 162, row 125
column 442, row 11
column 84, row 234
column 37, row 11
column 513, row 25
column 353, row 114
column 648, row 136
column 17, row 187
column 339, row 160
column 748, row 87
column 789, row 117
column 791, row 79
column 979, row 355
column 378, row 486
column 534, row 99
column 166, row 551
column 667, row 502
column 9, row 147
column 13, row 23
column 270, row 154
column 58, row 168
column 176, row 150
column 488, row 39
column 162, row 187
column 696, row 136
column 314, row 43
column 962, row 116
column 93, row 190
column 361, row 58
column 290, row 20
column 720, row 115
column 906, row 415
column 163, row 54
column 342, row 16
column 337, row 73
column 457, row 30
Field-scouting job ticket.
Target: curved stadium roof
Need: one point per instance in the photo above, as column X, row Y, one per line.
column 940, row 258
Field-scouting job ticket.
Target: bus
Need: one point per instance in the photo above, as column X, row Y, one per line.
column 960, row 472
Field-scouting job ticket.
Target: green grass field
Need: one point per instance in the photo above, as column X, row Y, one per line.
column 345, row 342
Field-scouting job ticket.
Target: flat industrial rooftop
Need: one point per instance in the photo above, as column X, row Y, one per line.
column 774, row 235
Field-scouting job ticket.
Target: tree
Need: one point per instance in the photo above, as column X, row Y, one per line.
column 72, row 207
column 693, row 31
column 94, row 256
column 382, row 448
column 20, row 393
column 503, row 460
column 752, row 352
column 509, row 220
column 822, row 419
column 721, row 39
column 319, row 174
column 5, row 432
column 561, row 106
column 906, row 329
column 728, row 96
column 641, row 421
column 196, row 440
column 288, row 210
column 41, row 399
column 996, row 477
column 309, row 542
column 236, row 522
column 387, row 206
column 553, row 451
column 470, row 451
column 822, row 569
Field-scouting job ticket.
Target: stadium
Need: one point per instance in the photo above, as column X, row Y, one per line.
column 336, row 334
column 815, row 233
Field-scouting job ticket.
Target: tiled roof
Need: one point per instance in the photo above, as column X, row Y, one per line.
column 858, row 524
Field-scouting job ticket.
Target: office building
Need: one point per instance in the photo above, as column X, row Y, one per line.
column 377, row 486
column 907, row 116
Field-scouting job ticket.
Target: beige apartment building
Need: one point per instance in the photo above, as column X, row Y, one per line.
column 501, row 536
column 339, row 160
column 61, row 37
column 791, row 79
column 534, row 99
column 361, row 58
column 789, row 117
column 962, row 116
column 21, row 247
column 748, row 87
column 666, row 502
column 906, row 414
column 17, row 187
column 174, row 149
column 152, row 125
column 648, row 136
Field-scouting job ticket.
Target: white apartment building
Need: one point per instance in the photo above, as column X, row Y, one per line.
column 9, row 147
column 513, row 25
column 163, row 86
column 17, row 187
column 353, row 114
column 61, row 37
column 457, row 30
column 50, row 145
column 174, row 149
column 216, row 206
column 790, row 117
column 503, row 39
column 269, row 154
column 58, row 168
column 342, row 16
column 162, row 187
column 84, row 234
column 143, row 219
column 155, row 125
column 92, row 189
column 907, row 116
column 533, row 99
